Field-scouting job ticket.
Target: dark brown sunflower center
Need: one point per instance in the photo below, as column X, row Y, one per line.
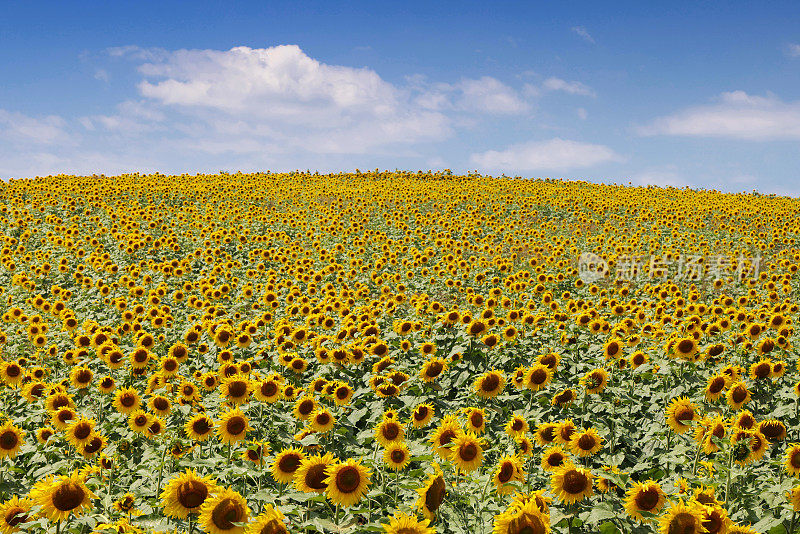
column 13, row 370
column 716, row 385
column 517, row 425
column 538, row 377
column 490, row 383
column 587, row 442
column 446, row 437
column 685, row 346
column 434, row 495
column 236, row 425
column 763, row 370
column 738, row 395
column 68, row 496
column 506, row 472
column 391, row 431
column 192, row 493
column 289, row 463
column 315, row 476
column 306, row 407
column 468, row 452
column 323, row 419
column 682, row 523
column 398, row 456
column 421, row 413
column 684, row 413
column 647, row 499
column 15, row 515
column 201, row 426
column 237, row 388
column 348, row 479
column 84, row 376
column 127, row 400
column 94, row 445
column 160, row 403
column 226, row 513
column 269, row 389
column 575, row 482
column 434, row 369
column 82, row 430
column 555, row 459
column 8, row 440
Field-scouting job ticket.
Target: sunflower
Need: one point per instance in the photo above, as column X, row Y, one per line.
column 397, row 456
column 432, row 493
column 476, row 420
column 773, row 429
column 95, row 444
column 342, row 394
column 79, row 431
column 271, row 521
column 255, row 452
column 553, row 458
column 199, row 427
column 321, row 420
column 516, row 426
column 585, row 442
column 224, row 512
column 546, row 433
column 508, row 470
column 792, row 459
column 44, row 433
column 11, row 373
column 644, row 497
column 793, row 496
column 60, row 496
column 680, row 413
column 433, row 369
column 466, row 452
column 303, row 407
column 715, row 520
column 13, row 513
column 160, row 405
column 527, row 518
column 571, row 484
column 106, row 384
column 716, row 386
column 738, row 395
column 236, row 389
column 595, row 380
column 285, row 464
column 310, row 475
column 11, row 439
column 489, row 384
column 403, row 523
column 126, row 400
column 448, row 430
column 564, row 432
column 685, row 348
column 139, row 421
column 268, row 390
column 389, row 431
column 186, row 493
column 233, row 426
column 682, row 518
column 422, row 415
column 347, row 482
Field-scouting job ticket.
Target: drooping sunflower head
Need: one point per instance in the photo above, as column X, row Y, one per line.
column 422, row 415
column 224, row 512
column 432, row 493
column 14, row 513
column 186, row 493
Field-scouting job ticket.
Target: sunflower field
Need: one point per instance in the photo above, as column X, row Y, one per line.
column 396, row 352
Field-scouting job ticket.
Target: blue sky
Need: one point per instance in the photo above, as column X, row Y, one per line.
column 699, row 94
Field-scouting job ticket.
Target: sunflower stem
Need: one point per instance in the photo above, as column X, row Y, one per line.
column 696, row 457
column 161, row 469
column 791, row 525
column 728, row 481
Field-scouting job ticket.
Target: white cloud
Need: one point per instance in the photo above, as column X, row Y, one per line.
column 555, row 155
column 793, row 50
column 20, row 128
column 573, row 88
column 489, row 95
column 735, row 115
column 583, row 33
column 287, row 99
